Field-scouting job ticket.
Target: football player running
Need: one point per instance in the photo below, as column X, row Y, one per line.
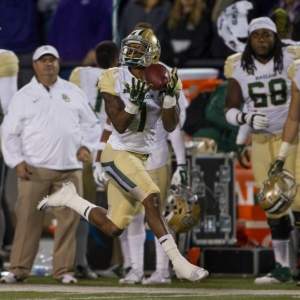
column 134, row 109
column 258, row 76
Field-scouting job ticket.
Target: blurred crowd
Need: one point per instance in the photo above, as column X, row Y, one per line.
column 187, row 29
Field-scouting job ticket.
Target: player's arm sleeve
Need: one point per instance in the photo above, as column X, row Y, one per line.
column 178, row 145
column 75, row 77
column 244, row 131
column 107, row 82
column 11, row 132
column 90, row 124
column 9, row 68
column 183, row 104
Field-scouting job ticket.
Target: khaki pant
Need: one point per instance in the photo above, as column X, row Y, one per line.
column 28, row 231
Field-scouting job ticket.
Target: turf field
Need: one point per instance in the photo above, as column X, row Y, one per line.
column 106, row 288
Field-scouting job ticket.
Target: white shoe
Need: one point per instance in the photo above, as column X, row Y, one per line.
column 132, row 277
column 59, row 198
column 68, row 279
column 190, row 272
column 158, row 278
column 10, row 278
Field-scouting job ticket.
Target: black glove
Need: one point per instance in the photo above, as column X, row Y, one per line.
column 277, row 166
column 137, row 91
column 241, row 152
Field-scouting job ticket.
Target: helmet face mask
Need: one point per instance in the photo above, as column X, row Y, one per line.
column 278, row 192
column 151, row 54
column 182, row 210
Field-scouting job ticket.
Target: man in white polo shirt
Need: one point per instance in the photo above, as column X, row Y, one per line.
column 48, row 131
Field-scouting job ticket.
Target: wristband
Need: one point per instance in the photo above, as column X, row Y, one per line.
column 169, row 101
column 284, row 150
column 101, row 145
column 232, row 116
column 131, row 108
column 107, row 127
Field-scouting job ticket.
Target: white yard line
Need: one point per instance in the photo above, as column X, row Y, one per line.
column 92, row 289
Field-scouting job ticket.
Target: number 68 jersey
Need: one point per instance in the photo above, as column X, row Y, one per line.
column 139, row 136
column 265, row 90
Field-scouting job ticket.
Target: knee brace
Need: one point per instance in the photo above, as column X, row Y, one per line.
column 280, row 228
column 297, row 219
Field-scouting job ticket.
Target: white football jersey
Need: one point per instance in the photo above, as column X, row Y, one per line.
column 87, row 79
column 265, row 90
column 139, row 136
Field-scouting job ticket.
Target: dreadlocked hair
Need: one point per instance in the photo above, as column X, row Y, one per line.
column 247, row 62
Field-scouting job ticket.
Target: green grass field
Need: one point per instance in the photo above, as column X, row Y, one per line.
column 106, row 288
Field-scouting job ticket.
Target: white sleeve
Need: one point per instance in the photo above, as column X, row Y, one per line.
column 243, row 134
column 178, row 145
column 11, row 131
column 8, row 86
column 244, row 131
column 90, row 124
column 183, row 104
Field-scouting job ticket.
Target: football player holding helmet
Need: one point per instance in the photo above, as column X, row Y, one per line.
column 182, row 210
column 278, row 192
column 134, row 57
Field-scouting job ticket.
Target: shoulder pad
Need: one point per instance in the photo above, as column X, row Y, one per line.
column 107, row 81
column 9, row 64
column 231, row 63
column 75, row 77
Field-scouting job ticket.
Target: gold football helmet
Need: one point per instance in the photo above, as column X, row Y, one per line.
column 278, row 192
column 132, row 57
column 182, row 210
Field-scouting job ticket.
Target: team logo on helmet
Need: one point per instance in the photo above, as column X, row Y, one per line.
column 278, row 192
column 182, row 211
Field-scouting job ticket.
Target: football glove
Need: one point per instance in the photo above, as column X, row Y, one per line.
column 257, row 120
column 241, row 152
column 277, row 166
column 170, row 90
column 179, row 176
column 100, row 177
column 137, row 91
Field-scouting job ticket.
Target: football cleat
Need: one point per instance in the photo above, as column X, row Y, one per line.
column 276, row 276
column 114, row 271
column 158, row 278
column 186, row 270
column 132, row 277
column 85, row 272
column 59, row 198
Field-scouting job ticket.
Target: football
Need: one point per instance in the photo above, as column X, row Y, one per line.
column 157, row 75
